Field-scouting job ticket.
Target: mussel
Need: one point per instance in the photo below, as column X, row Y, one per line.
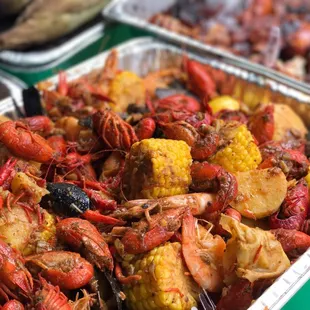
column 67, row 199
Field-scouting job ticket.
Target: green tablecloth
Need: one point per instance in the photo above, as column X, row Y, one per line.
column 116, row 34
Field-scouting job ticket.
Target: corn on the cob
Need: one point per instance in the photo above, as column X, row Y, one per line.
column 126, row 88
column 157, row 168
column 164, row 284
column 241, row 154
column 224, row 103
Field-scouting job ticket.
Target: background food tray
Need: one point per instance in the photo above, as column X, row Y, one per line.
column 145, row 55
column 56, row 52
column 137, row 13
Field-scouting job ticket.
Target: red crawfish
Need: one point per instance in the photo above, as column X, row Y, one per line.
column 58, row 143
column 294, row 208
column 261, row 124
column 145, row 128
column 6, row 171
column 68, row 270
column 80, row 90
column 272, row 147
column 294, row 243
column 14, row 276
column 210, row 177
column 230, row 115
column 13, row 305
column 239, row 294
column 40, row 124
column 115, row 132
column 151, row 232
column 49, row 297
column 178, row 102
column 21, row 142
column 81, row 235
column 293, row 163
column 203, row 143
column 200, row 82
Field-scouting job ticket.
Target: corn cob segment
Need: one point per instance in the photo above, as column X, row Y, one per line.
column 157, row 168
column 126, row 88
column 241, row 153
column 164, row 284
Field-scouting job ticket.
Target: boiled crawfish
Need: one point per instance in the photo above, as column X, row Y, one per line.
column 203, row 142
column 82, row 235
column 116, row 133
column 200, row 82
column 210, row 177
column 23, row 143
column 14, row 276
column 261, row 124
column 67, row 270
column 294, row 208
column 153, row 231
column 294, row 243
column 293, row 163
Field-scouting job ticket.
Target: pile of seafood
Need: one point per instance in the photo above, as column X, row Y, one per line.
column 274, row 33
column 148, row 193
column 41, row 21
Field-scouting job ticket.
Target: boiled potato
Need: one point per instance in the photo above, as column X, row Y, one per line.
column 22, row 183
column 260, row 192
column 284, row 120
column 224, row 103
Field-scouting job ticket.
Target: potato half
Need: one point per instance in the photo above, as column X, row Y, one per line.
column 284, row 120
column 260, row 192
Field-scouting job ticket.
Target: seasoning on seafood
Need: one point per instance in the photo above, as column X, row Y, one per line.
column 160, row 195
column 157, row 168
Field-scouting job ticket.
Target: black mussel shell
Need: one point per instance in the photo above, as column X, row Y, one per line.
column 67, row 199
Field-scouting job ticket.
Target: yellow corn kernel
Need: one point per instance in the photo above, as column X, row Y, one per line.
column 157, row 168
column 224, row 103
column 126, row 88
column 241, row 154
column 174, row 290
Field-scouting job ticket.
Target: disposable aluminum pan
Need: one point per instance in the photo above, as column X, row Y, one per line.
column 10, row 86
column 137, row 13
column 53, row 54
column 145, row 55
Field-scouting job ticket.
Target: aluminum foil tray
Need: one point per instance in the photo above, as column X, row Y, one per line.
column 56, row 53
column 137, row 13
column 144, row 55
column 10, row 86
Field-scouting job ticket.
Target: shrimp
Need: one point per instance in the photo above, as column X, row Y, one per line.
column 203, row 256
column 199, row 203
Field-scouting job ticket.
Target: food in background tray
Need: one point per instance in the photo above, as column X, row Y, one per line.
column 275, row 33
column 43, row 21
column 159, row 180
column 11, row 7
